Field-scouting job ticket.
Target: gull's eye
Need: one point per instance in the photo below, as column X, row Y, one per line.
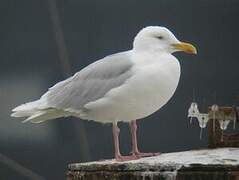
column 160, row 37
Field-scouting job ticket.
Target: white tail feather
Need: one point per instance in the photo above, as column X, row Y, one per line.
column 35, row 114
column 26, row 110
column 27, row 106
column 22, row 113
column 44, row 115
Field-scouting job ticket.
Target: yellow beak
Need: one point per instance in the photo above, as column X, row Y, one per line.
column 186, row 47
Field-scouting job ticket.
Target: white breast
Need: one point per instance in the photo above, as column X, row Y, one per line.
column 153, row 84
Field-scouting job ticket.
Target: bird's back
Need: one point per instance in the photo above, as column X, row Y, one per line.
column 68, row 97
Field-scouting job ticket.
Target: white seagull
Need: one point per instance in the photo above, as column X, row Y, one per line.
column 124, row 87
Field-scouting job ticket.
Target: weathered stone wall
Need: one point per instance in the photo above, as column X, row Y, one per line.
column 216, row 164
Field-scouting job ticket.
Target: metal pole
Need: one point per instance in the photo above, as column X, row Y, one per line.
column 66, row 69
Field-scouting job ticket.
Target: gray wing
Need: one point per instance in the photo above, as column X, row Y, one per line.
column 91, row 83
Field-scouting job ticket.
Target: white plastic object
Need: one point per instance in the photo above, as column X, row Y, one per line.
column 202, row 121
column 223, row 124
column 214, row 107
column 193, row 111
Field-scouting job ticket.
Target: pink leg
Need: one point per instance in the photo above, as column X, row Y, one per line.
column 135, row 150
column 118, row 155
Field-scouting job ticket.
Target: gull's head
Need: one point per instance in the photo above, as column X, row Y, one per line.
column 160, row 39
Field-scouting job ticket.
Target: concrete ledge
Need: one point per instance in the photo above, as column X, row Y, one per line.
column 213, row 164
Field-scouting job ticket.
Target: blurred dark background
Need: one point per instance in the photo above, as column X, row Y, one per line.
column 43, row 42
